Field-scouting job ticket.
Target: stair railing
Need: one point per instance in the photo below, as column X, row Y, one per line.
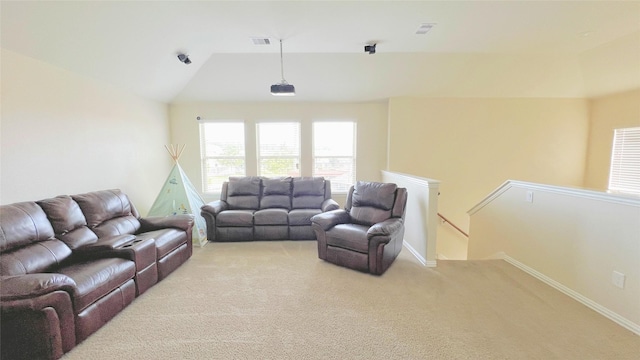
column 452, row 224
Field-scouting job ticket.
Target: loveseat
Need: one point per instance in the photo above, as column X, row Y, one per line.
column 69, row 264
column 260, row 208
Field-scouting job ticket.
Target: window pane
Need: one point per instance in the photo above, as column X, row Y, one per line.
column 223, row 139
column 276, row 167
column 333, row 138
column 334, row 153
column 338, row 170
column 222, row 153
column 279, row 149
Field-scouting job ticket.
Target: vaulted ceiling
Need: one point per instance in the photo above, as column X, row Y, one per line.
column 476, row 48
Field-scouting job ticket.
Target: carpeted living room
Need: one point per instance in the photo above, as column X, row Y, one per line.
column 466, row 94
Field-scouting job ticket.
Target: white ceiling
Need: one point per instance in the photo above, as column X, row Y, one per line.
column 477, row 48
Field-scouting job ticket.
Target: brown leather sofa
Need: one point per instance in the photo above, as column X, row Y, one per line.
column 69, row 264
column 260, row 208
column 367, row 234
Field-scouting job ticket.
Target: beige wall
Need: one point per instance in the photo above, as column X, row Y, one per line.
column 65, row 134
column 606, row 114
column 574, row 237
column 474, row 145
column 371, row 125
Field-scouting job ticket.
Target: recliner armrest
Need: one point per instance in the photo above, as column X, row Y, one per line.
column 37, row 313
column 386, row 228
column 33, row 285
column 329, row 219
column 150, row 223
column 215, row 207
column 329, row 205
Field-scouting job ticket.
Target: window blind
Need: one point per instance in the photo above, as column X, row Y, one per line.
column 222, row 153
column 625, row 161
column 334, row 153
column 278, row 149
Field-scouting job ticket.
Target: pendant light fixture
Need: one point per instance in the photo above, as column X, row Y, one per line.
column 283, row 88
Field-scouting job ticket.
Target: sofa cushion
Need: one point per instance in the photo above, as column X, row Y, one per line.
column 276, row 193
column 243, row 193
column 308, row 193
column 372, row 202
column 68, row 221
column 270, row 217
column 299, row 217
column 97, row 278
column 43, row 256
column 108, row 212
column 379, row 195
column 277, row 186
column 235, row 218
column 166, row 240
column 349, row 236
column 26, row 241
column 22, row 224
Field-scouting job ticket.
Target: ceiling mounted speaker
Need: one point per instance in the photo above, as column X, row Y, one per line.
column 283, row 88
column 184, row 58
column 371, row 49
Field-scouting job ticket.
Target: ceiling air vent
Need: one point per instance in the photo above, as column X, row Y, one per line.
column 260, row 41
column 424, row 28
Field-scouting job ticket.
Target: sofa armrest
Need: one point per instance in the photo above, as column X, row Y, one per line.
column 383, row 233
column 106, row 244
column 209, row 212
column 37, row 316
column 33, row 285
column 150, row 223
column 215, row 207
column 329, row 205
column 329, row 219
column 386, row 228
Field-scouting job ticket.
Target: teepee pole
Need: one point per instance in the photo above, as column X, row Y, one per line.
column 175, row 151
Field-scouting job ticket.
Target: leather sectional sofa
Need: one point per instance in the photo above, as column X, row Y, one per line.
column 69, row 264
column 259, row 208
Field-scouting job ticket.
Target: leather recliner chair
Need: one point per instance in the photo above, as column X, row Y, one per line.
column 367, row 234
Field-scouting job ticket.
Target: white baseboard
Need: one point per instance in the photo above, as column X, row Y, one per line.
column 423, row 261
column 622, row 321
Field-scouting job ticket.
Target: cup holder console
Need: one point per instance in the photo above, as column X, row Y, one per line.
column 137, row 240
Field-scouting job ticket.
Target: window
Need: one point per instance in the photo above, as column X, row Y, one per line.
column 625, row 161
column 334, row 155
column 278, row 149
column 222, row 153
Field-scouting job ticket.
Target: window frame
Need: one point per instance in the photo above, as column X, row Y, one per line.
column 204, row 157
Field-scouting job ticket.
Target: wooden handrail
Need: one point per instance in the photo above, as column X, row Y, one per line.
column 452, row 224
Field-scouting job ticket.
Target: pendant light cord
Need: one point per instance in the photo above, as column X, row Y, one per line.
column 282, row 64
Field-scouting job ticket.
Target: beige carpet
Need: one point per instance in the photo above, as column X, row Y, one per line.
column 277, row 300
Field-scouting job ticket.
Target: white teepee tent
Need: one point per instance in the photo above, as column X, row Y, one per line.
column 178, row 196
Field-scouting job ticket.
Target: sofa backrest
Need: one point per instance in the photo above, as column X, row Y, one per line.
column 254, row 193
column 68, row 221
column 242, row 192
column 310, row 192
column 108, row 212
column 27, row 243
column 369, row 203
column 276, row 193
